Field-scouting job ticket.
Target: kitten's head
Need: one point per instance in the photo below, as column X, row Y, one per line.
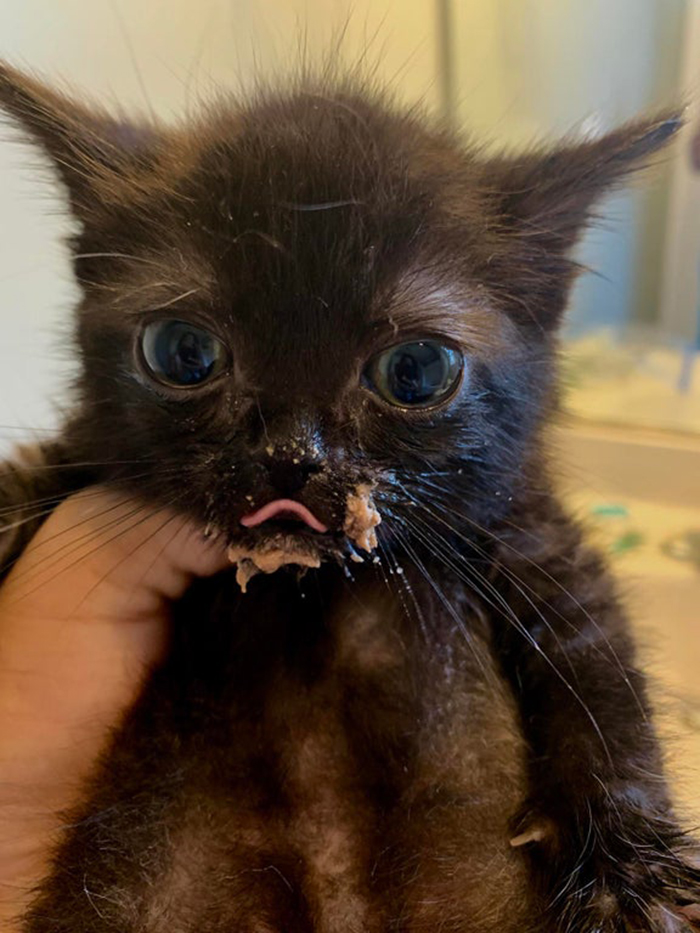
column 297, row 310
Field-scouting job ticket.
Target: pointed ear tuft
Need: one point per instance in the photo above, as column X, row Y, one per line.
column 654, row 137
column 90, row 149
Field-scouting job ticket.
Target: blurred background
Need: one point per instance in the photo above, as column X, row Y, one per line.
column 510, row 74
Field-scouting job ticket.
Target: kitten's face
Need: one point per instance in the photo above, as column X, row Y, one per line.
column 287, row 303
column 297, row 317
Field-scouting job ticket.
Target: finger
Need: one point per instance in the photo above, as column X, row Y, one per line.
column 102, row 555
column 83, row 617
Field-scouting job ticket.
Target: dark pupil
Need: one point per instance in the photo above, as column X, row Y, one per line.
column 416, row 373
column 185, row 355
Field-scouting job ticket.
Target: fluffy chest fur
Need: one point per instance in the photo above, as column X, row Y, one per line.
column 333, row 769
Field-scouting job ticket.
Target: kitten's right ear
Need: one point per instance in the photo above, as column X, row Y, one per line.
column 93, row 152
column 542, row 201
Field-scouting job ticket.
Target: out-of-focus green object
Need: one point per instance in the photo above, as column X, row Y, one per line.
column 629, row 541
column 619, row 535
column 611, row 510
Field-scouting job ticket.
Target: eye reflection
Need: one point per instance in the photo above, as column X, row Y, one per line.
column 181, row 354
column 418, row 374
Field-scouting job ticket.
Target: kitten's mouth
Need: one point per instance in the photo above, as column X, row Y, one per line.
column 285, row 532
column 284, row 511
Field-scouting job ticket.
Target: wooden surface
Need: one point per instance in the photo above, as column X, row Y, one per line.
column 639, row 492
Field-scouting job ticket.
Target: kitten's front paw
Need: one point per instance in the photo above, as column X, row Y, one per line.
column 602, row 910
column 648, row 892
column 615, row 879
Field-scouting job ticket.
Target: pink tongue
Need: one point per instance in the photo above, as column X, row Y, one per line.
column 285, row 506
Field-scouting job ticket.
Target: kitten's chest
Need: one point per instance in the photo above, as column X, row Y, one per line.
column 329, row 764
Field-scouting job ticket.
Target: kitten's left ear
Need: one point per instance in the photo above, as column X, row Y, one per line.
column 93, row 152
column 542, row 203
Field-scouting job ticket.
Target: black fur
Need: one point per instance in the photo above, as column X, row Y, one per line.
column 331, row 754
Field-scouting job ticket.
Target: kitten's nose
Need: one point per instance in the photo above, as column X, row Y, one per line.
column 287, row 445
column 290, row 474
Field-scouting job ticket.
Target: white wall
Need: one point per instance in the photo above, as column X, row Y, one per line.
column 529, row 70
column 161, row 54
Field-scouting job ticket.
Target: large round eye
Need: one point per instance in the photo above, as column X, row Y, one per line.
column 180, row 354
column 416, row 375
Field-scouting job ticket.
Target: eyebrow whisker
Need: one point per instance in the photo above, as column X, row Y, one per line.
column 322, row 206
column 172, row 301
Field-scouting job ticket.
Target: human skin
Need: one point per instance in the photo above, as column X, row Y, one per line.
column 83, row 619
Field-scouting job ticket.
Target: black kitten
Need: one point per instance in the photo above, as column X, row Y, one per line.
column 301, row 316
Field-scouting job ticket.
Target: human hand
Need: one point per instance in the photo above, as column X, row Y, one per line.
column 83, row 618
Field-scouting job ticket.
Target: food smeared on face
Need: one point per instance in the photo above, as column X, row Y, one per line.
column 282, row 549
column 362, row 517
column 264, row 559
